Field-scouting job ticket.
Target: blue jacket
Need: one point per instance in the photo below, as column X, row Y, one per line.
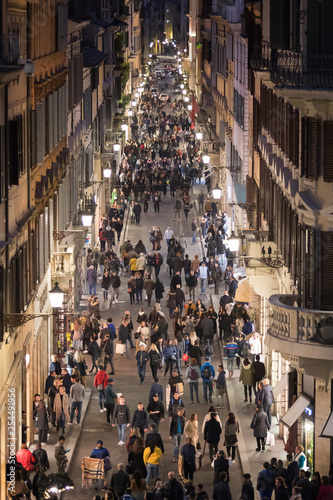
column 100, row 453
column 169, row 351
column 212, row 371
column 231, row 348
column 156, row 388
column 142, row 357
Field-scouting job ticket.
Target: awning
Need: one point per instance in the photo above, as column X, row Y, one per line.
column 281, row 385
column 327, row 431
column 295, row 411
column 308, row 200
column 240, row 192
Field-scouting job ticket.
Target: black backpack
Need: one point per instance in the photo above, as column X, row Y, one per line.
column 206, row 374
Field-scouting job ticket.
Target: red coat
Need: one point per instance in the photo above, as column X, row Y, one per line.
column 26, row 458
column 101, row 378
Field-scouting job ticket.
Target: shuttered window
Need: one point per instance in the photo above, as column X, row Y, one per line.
column 41, row 247
column 62, row 13
column 33, row 132
column 328, row 151
column 49, row 118
column 310, row 267
column 295, row 24
column 294, row 138
column 40, row 131
column 279, row 24
column 2, row 164
column 70, row 85
column 310, row 147
column 327, row 270
column 55, row 118
column 15, row 150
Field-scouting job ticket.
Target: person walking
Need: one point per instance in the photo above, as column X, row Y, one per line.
column 120, row 481
column 193, row 375
column 77, row 396
column 260, row 425
column 188, row 454
column 121, row 417
column 110, row 400
column 264, row 482
column 268, row 399
column 247, row 488
column 100, row 382
column 207, row 375
column 156, row 410
column 92, row 279
column 191, row 429
column 191, row 283
column 60, row 454
column 177, row 425
column 42, row 459
column 231, row 430
column 194, row 228
column 140, row 420
column 141, row 358
column 148, row 285
column 216, row 277
column 61, row 409
column 212, row 434
column 40, row 416
column 221, row 386
column 231, row 349
column 177, row 208
column 221, row 489
column 246, row 377
column 221, row 464
column 259, row 370
column 94, row 353
column 168, row 235
column 109, row 353
column 202, row 276
column 151, row 456
column 137, row 212
column 115, row 287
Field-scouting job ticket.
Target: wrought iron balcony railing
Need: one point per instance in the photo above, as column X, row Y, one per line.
column 294, row 69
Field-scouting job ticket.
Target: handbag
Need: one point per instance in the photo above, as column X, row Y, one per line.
column 120, row 348
column 100, row 387
column 185, row 357
column 107, row 464
column 129, row 290
column 231, row 440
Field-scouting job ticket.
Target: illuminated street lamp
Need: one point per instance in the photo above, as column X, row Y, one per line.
column 134, row 103
column 189, row 107
column 182, row 86
column 137, row 94
column 116, row 148
column 186, row 99
column 198, row 136
column 206, row 159
column 86, row 220
column 56, row 296
column 233, row 242
column 216, row 192
column 184, row 91
column 130, row 112
column 107, row 173
column 124, row 127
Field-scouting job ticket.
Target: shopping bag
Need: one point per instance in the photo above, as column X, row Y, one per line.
column 270, row 440
column 185, row 357
column 120, row 348
column 180, row 388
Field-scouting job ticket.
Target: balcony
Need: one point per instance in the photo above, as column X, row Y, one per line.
column 303, row 336
column 9, row 48
column 294, row 69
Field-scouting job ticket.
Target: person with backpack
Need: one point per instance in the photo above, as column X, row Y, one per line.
column 244, row 347
column 193, row 375
column 246, row 376
column 207, row 374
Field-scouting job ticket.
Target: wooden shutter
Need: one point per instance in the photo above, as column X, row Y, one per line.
column 295, row 24
column 70, row 84
column 25, row 275
column 294, row 136
column 327, row 28
column 49, row 117
column 33, row 135
column 310, row 268
column 40, row 131
column 313, row 28
column 313, row 148
column 328, row 151
column 20, row 156
column 327, row 270
column 55, row 118
column 13, row 153
column 279, row 24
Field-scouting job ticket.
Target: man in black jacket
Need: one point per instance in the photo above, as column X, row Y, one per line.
column 224, row 300
column 137, row 212
column 259, row 371
column 140, row 419
column 221, row 488
column 212, row 434
column 120, row 481
column 174, row 489
column 177, row 424
column 309, row 489
column 155, row 436
column 155, row 410
column 191, row 282
column 247, row 488
column 292, row 471
column 221, row 464
column 109, row 353
column 195, row 352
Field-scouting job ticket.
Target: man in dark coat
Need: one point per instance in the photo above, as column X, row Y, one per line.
column 174, row 489
column 49, row 381
column 212, row 432
column 292, row 471
column 137, row 212
column 41, row 457
column 195, row 352
column 233, row 287
column 260, row 426
column 66, row 380
column 224, row 300
column 259, row 371
column 268, row 399
column 309, row 489
column 247, row 488
column 155, row 436
column 120, row 481
column 221, row 464
column 221, row 488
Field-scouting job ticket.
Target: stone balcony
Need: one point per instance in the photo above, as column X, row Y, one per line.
column 303, row 336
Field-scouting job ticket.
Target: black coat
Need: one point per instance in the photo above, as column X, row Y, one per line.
column 120, row 481
column 221, row 491
column 221, row 464
column 174, row 490
column 260, row 424
column 174, row 424
column 281, row 493
column 259, row 370
column 159, row 289
column 196, row 353
column 212, row 431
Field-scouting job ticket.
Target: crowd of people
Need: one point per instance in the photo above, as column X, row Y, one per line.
column 163, row 158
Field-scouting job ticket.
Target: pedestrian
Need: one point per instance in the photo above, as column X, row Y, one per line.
column 216, row 277
column 221, row 489
column 94, row 353
column 191, row 429
column 61, row 409
column 100, row 382
column 207, row 375
column 77, row 397
column 41, row 457
column 247, row 488
column 246, row 377
column 121, row 417
column 231, row 430
column 195, row 351
column 151, row 457
column 259, row 370
column 193, row 375
column 174, row 489
column 109, row 353
column 156, row 388
column 268, row 399
column 212, row 434
column 177, row 208
column 175, row 403
column 260, row 426
column 101, row 453
column 264, row 482
column 141, row 358
column 92, row 279
column 281, row 491
column 300, row 456
column 140, row 420
column 231, row 349
column 105, row 284
column 233, row 287
column 115, row 287
column 292, row 471
column 60, row 454
column 40, row 416
column 137, row 212
column 155, row 436
column 221, row 386
column 221, row 464
column 159, row 290
column 120, row 481
column 168, row 235
column 138, row 485
column 202, row 276
column 194, row 228
column 296, row 493
column 148, row 285
column 110, row 400
column 191, row 283
column 188, row 454
column 177, row 424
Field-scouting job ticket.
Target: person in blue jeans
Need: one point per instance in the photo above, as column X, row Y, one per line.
column 100, row 382
column 122, row 418
column 207, row 375
column 176, row 431
column 194, row 230
column 77, row 397
column 141, row 358
column 151, row 457
column 92, row 279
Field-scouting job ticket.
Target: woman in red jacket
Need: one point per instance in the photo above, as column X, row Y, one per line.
column 26, row 458
column 100, row 382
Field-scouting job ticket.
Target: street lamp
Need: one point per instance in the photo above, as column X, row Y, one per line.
column 186, row 99
column 134, row 104
column 137, row 94
column 107, row 173
column 184, row 91
column 182, row 86
column 206, row 159
column 116, row 148
column 56, row 296
column 124, row 127
column 216, row 192
column 233, row 242
column 189, row 107
column 198, row 136
column 86, row 220
column 130, row 112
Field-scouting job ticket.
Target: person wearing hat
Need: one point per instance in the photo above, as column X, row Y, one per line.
column 110, row 398
column 260, row 425
column 141, row 358
column 156, row 410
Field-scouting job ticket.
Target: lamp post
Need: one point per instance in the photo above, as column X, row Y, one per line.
column 86, row 220
column 233, row 242
column 205, row 159
column 56, row 296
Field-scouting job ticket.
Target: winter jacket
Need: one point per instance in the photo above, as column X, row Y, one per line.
column 26, row 458
column 156, row 437
column 221, row 464
column 188, row 452
column 195, row 352
column 94, row 349
column 110, row 395
column 156, row 388
column 264, row 482
column 268, row 397
column 246, row 375
column 101, row 378
column 141, row 357
column 207, row 327
column 155, row 406
column 61, row 406
column 221, row 491
column 121, row 414
column 260, row 424
column 231, row 349
column 139, row 419
column 174, row 424
column 148, row 286
column 91, row 276
column 212, row 371
column 212, row 431
column 152, row 458
column 259, row 370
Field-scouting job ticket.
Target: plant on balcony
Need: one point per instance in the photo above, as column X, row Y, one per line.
column 124, row 74
column 125, row 100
